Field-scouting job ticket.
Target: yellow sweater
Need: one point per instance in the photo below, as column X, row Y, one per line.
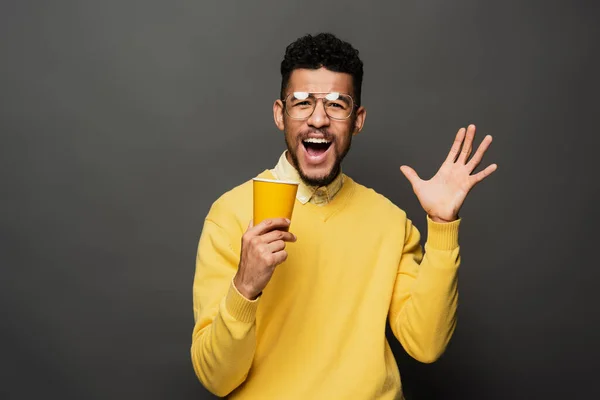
column 318, row 329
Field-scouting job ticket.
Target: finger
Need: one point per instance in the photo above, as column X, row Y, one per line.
column 475, row 179
column 276, row 246
column 280, row 257
column 460, row 136
column 278, row 235
column 467, row 145
column 269, row 225
column 410, row 174
column 478, row 156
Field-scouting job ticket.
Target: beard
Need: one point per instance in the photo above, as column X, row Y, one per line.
column 337, row 165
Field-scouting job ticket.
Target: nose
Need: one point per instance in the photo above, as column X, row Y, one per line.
column 319, row 117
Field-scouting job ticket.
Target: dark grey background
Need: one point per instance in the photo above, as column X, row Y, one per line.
column 122, row 121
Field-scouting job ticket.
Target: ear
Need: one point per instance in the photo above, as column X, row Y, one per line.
column 359, row 120
column 278, row 114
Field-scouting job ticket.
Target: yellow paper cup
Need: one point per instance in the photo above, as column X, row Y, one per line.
column 273, row 199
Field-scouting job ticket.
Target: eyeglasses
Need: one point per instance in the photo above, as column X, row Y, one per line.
column 301, row 105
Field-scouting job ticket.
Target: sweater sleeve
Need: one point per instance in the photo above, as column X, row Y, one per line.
column 423, row 308
column 223, row 339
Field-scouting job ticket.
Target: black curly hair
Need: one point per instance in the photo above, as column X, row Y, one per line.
column 322, row 50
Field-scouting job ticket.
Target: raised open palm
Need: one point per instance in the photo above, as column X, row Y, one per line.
column 443, row 195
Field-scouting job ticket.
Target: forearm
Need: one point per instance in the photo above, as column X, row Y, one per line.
column 426, row 322
column 423, row 311
column 223, row 348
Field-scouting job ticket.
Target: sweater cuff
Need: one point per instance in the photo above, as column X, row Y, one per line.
column 442, row 236
column 239, row 307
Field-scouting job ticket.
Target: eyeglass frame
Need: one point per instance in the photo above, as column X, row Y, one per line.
column 354, row 106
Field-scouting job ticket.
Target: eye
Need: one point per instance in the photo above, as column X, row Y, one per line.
column 304, row 103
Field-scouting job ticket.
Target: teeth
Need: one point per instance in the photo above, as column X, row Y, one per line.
column 316, row 140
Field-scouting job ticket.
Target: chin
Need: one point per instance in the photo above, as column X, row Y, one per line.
column 319, row 177
column 317, row 173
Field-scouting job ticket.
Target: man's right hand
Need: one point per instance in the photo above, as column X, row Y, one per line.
column 263, row 248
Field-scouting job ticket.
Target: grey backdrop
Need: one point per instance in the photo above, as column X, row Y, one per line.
column 122, row 121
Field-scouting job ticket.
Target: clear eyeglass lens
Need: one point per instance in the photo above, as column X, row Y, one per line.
column 301, row 105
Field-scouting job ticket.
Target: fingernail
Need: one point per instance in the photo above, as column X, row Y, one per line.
column 288, row 221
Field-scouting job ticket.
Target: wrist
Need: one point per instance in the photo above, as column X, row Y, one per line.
column 244, row 289
column 239, row 307
column 443, row 220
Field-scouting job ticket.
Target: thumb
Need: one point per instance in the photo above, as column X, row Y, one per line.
column 410, row 174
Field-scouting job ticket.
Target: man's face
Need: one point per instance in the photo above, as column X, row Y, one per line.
column 318, row 163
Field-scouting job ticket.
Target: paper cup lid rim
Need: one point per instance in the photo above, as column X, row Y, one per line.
column 274, row 181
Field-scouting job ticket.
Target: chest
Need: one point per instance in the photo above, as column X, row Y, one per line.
column 347, row 253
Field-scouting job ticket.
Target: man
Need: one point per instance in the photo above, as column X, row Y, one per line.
column 300, row 313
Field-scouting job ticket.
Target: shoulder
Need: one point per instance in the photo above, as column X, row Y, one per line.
column 231, row 199
column 374, row 202
column 233, row 209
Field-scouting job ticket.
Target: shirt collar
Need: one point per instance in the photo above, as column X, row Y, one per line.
column 315, row 194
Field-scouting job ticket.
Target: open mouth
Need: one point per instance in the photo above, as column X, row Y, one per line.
column 316, row 146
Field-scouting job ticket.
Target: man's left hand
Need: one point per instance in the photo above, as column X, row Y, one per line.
column 443, row 195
